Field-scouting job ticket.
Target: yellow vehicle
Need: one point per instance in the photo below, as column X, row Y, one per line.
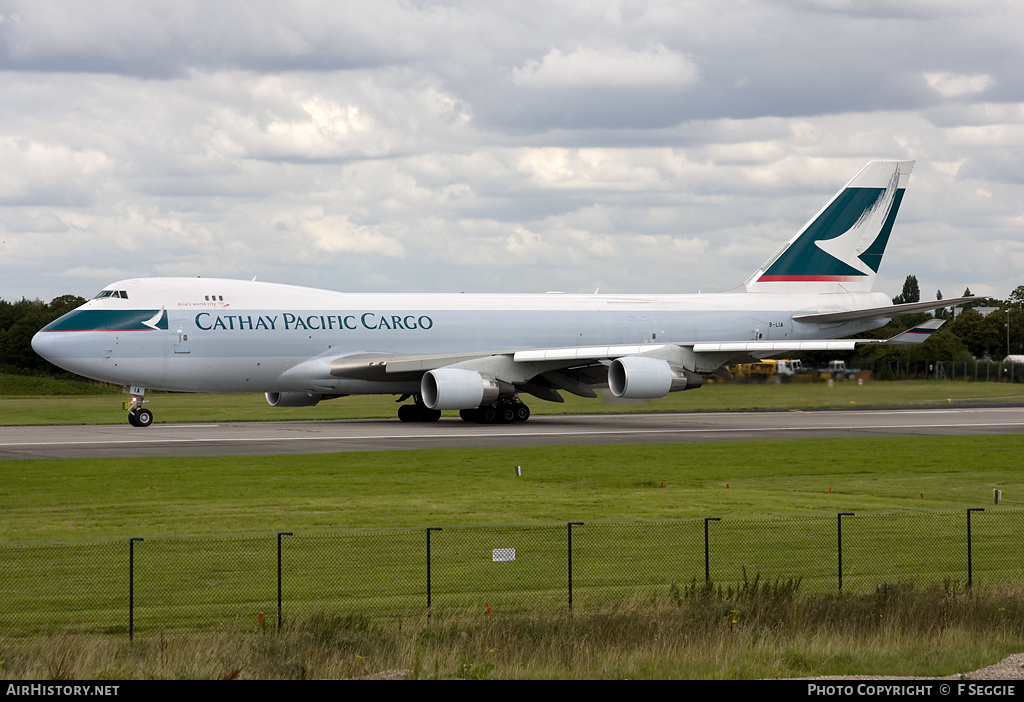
column 759, row 372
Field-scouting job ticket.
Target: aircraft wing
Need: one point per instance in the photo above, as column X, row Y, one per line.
column 912, row 336
column 653, row 368
column 592, row 353
column 887, row 312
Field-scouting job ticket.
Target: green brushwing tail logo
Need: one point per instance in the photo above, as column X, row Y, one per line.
column 846, row 241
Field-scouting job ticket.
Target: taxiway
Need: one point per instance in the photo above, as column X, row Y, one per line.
column 270, row 438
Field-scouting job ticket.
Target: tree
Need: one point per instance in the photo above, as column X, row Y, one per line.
column 943, row 312
column 19, row 322
column 911, row 291
column 983, row 336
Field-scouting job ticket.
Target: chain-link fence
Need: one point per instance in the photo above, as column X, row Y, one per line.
column 978, row 371
column 239, row 583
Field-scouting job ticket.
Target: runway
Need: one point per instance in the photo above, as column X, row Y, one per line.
column 271, row 438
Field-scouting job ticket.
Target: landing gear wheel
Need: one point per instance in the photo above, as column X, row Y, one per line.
column 507, row 415
column 522, row 413
column 140, row 417
column 418, row 413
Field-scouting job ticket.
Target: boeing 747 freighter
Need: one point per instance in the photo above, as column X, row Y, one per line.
column 480, row 354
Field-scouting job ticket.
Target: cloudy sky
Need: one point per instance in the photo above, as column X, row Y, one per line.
column 631, row 146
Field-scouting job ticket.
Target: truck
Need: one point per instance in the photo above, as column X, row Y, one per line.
column 837, row 370
column 760, row 372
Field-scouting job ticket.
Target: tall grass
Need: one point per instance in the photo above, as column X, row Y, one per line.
column 756, row 630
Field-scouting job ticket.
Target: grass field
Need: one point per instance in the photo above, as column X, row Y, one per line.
column 213, row 521
column 56, row 500
column 359, row 525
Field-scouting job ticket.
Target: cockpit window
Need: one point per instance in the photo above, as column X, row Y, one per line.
column 104, row 293
column 123, row 294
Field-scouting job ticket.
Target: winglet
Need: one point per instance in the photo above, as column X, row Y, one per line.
column 918, row 334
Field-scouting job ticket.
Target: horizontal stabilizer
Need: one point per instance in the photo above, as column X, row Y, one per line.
column 918, row 334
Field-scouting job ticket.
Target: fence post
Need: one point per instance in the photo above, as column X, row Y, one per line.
column 570, row 560
column 429, row 529
column 969, row 564
column 279, row 535
column 131, row 586
column 707, row 560
column 839, row 543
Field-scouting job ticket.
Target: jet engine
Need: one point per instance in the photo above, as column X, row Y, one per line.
column 640, row 377
column 457, row 388
column 293, row 399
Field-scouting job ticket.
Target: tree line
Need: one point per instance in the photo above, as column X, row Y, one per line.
column 19, row 321
column 992, row 333
column 968, row 334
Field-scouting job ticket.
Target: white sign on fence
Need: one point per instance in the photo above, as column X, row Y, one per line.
column 503, row 554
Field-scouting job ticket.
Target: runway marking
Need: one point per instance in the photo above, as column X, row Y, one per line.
column 188, row 426
column 534, row 434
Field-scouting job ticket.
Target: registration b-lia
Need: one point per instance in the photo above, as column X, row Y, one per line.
column 481, row 354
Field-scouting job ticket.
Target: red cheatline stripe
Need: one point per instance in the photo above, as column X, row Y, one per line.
column 805, row 278
column 61, row 331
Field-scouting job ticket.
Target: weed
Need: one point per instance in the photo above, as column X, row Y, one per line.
column 469, row 670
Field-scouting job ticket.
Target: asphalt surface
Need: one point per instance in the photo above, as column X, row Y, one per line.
column 274, row 438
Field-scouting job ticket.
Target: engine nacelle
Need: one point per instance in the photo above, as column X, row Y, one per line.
column 457, row 388
column 643, row 378
column 293, row 399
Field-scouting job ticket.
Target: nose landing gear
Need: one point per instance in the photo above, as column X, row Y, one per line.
column 138, row 416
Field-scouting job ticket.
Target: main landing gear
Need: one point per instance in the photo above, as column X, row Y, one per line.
column 138, row 416
column 418, row 412
column 505, row 412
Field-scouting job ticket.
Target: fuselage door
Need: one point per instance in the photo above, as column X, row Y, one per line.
column 181, row 343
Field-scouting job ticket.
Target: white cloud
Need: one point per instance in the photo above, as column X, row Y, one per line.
column 954, row 85
column 336, row 234
column 527, row 146
column 35, row 172
column 614, row 67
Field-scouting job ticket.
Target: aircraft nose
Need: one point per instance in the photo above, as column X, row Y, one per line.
column 42, row 344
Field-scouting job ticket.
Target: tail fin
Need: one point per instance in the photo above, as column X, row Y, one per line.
column 840, row 249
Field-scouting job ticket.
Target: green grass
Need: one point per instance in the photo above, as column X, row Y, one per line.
column 777, row 501
column 50, row 402
column 42, row 386
column 99, row 498
column 65, row 525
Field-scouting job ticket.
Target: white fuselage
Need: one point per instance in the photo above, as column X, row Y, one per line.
column 217, row 335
